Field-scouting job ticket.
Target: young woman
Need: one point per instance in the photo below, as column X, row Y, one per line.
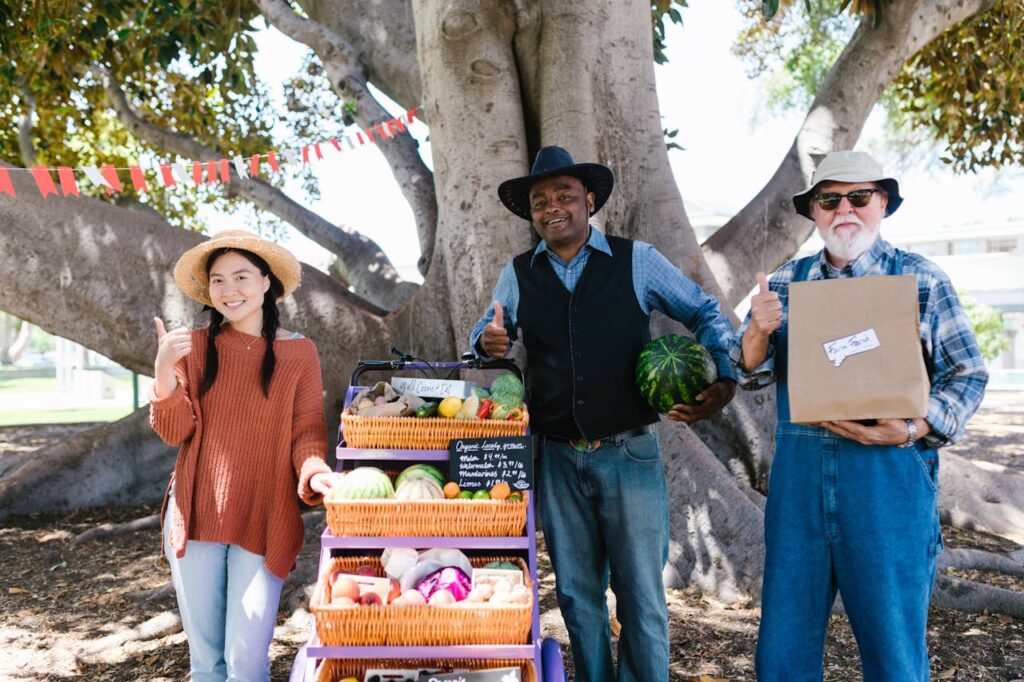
column 243, row 398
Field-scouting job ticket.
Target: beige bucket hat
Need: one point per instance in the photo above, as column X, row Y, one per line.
column 849, row 166
column 190, row 270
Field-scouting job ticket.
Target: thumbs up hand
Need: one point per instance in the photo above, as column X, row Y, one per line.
column 495, row 337
column 171, row 346
column 765, row 309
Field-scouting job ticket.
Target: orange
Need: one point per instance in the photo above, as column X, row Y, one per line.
column 500, row 491
column 451, row 490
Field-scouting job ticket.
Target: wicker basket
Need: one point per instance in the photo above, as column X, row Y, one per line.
column 430, row 433
column 427, row 518
column 334, row 670
column 407, row 625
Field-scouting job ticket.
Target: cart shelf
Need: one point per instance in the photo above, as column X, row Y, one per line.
column 383, row 454
column 328, row 540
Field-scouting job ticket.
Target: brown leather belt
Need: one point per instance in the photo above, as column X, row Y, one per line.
column 583, row 445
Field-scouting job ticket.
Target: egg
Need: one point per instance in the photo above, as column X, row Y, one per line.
column 442, row 597
column 413, row 598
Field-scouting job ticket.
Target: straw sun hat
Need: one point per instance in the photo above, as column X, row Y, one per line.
column 190, row 270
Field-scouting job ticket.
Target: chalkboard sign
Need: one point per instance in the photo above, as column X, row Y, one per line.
column 492, row 675
column 479, row 463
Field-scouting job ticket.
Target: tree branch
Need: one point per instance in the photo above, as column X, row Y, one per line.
column 870, row 62
column 361, row 260
column 25, row 144
column 348, row 79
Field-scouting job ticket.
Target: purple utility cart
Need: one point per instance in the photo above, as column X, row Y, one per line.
column 545, row 654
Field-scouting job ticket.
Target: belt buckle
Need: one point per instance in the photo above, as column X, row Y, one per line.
column 584, row 445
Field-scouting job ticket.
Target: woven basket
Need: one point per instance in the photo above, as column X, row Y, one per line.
column 421, row 518
column 402, row 625
column 334, row 670
column 430, row 433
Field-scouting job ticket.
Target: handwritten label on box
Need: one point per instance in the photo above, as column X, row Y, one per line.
column 432, row 388
column 479, row 463
column 861, row 342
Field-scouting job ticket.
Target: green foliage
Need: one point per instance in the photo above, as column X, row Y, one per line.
column 988, row 326
column 966, row 89
column 793, row 53
column 659, row 10
column 185, row 65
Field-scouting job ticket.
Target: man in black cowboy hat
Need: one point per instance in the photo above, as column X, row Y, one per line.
column 582, row 301
column 852, row 506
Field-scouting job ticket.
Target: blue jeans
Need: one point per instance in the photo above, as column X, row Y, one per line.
column 228, row 604
column 601, row 510
column 860, row 520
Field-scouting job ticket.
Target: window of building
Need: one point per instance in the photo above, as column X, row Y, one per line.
column 966, row 247
column 929, row 249
column 1002, row 245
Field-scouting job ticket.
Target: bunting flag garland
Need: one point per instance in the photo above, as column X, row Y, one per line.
column 44, row 180
column 175, row 174
column 68, row 186
column 5, row 182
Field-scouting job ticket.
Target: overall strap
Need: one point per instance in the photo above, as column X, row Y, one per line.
column 897, row 263
column 803, row 269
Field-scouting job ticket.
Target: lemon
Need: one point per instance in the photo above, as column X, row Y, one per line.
column 449, row 407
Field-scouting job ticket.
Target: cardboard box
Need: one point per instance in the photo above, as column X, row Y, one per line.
column 855, row 350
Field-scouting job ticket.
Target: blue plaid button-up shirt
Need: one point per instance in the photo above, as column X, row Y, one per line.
column 957, row 370
column 657, row 283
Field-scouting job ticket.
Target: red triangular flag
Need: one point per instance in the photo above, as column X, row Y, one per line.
column 254, row 165
column 396, row 126
column 167, row 175
column 197, row 172
column 225, row 172
column 316, row 148
column 369, row 134
column 334, row 141
column 68, row 185
column 138, row 179
column 44, row 180
column 305, row 154
column 211, row 172
column 272, row 160
column 5, row 182
column 411, row 114
column 110, row 175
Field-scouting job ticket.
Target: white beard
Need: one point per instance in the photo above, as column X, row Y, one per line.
column 850, row 244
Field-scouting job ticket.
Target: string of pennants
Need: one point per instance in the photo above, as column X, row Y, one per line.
column 202, row 172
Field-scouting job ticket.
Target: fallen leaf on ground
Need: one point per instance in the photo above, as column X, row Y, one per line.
column 946, row 674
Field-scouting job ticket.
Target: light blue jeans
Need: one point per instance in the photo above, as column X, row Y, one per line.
column 857, row 519
column 228, row 604
column 602, row 511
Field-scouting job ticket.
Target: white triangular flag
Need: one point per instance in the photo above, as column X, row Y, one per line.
column 180, row 173
column 240, row 167
column 96, row 178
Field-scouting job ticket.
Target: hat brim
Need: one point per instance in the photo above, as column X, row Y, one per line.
column 802, row 201
column 597, row 178
column 190, row 270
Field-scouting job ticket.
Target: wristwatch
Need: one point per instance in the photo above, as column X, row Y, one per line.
column 911, row 433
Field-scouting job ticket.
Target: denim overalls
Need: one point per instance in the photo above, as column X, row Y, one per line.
column 855, row 518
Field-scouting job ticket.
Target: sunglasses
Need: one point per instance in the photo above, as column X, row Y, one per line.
column 859, row 198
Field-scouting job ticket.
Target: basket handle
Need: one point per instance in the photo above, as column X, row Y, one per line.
column 406, row 361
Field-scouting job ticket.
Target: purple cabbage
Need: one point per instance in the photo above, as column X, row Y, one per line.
column 451, row 578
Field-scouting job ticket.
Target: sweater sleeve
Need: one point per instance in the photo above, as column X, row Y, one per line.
column 309, row 430
column 172, row 417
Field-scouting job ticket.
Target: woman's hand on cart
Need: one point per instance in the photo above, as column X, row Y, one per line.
column 323, row 483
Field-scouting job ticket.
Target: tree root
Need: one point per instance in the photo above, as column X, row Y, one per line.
column 110, row 530
column 972, row 597
column 979, row 560
column 153, row 594
column 160, row 625
column 981, row 499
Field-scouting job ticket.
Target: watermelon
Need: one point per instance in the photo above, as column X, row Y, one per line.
column 673, row 370
column 364, row 483
column 421, row 471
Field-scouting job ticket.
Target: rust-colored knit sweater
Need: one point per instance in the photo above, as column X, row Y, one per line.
column 244, row 455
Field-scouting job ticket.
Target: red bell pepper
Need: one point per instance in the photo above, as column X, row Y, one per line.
column 514, row 415
column 484, row 411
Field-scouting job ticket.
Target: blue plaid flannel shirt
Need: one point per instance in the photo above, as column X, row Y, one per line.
column 657, row 284
column 957, row 370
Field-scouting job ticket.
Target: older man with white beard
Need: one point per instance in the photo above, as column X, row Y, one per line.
column 852, row 505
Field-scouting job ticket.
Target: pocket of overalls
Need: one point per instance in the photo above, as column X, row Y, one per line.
column 929, row 461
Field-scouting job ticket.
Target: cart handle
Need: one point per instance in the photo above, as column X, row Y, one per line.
column 406, row 361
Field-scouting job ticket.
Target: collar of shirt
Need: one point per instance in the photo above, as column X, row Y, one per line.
column 596, row 241
column 874, row 261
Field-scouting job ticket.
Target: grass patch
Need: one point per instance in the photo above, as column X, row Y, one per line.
column 28, row 384
column 66, row 416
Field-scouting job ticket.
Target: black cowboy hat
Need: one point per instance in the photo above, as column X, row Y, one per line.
column 550, row 162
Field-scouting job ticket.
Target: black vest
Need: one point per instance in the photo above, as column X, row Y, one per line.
column 582, row 347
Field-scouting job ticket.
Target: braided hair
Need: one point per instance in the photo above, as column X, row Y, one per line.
column 271, row 322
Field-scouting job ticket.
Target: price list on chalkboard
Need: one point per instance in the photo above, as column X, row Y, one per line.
column 479, row 463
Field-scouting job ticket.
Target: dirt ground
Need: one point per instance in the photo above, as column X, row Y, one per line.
column 57, row 602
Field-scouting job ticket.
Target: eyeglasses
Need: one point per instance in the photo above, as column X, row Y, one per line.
column 859, row 198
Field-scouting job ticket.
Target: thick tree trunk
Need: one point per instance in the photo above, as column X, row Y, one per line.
column 981, row 498
column 868, row 64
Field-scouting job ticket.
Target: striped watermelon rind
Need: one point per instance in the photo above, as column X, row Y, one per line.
column 673, row 370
